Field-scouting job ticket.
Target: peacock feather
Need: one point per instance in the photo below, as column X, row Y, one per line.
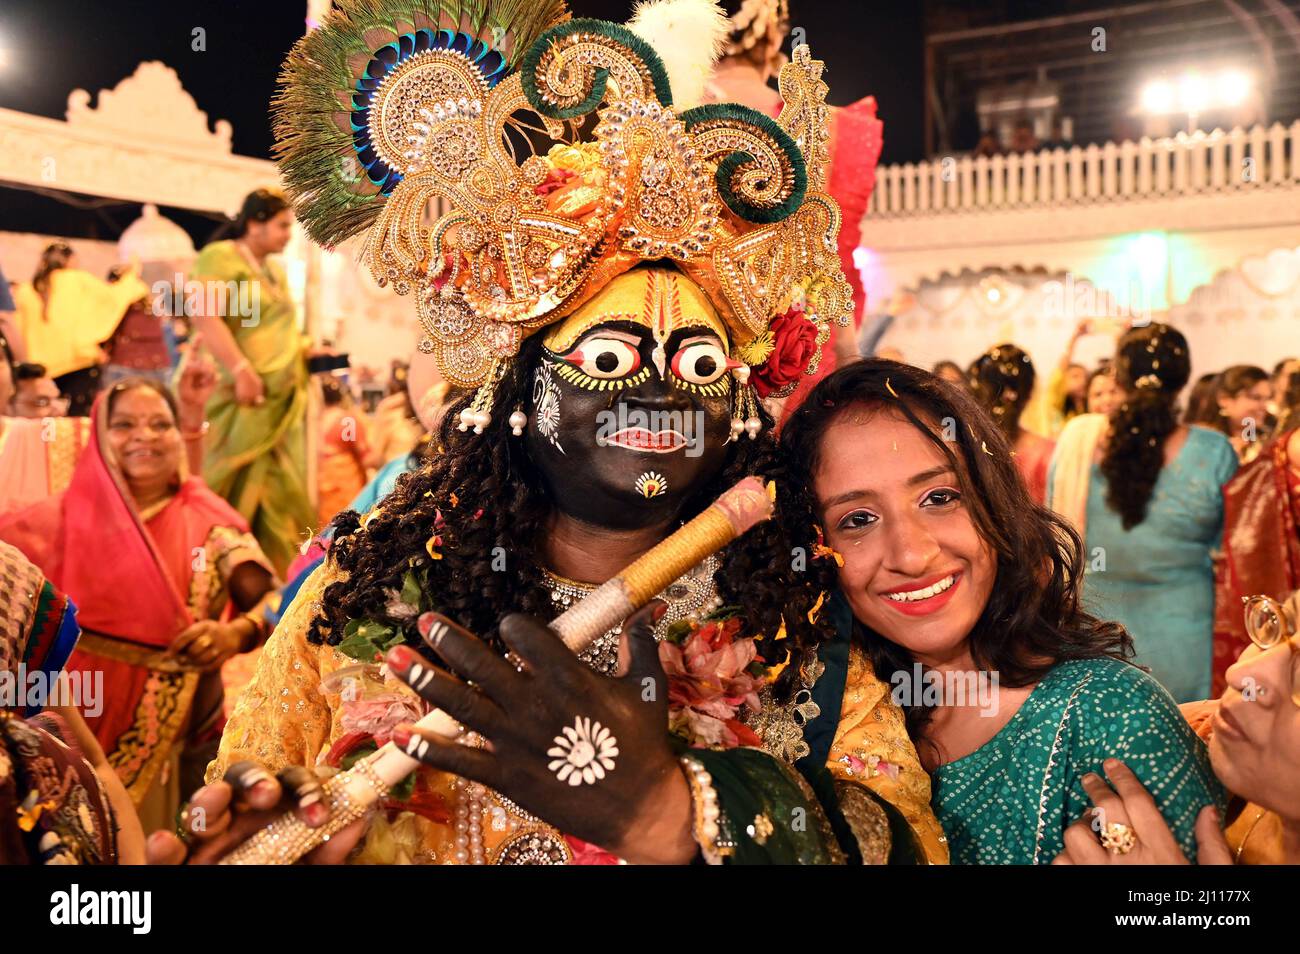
column 334, row 175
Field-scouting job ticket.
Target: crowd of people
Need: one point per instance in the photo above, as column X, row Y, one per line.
column 1028, row 619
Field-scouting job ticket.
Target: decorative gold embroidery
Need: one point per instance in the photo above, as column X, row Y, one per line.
column 867, row 820
column 161, row 713
column 781, row 725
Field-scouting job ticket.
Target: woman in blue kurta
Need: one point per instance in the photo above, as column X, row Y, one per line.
column 1146, row 495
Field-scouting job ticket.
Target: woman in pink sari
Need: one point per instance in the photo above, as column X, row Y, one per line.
column 169, row 582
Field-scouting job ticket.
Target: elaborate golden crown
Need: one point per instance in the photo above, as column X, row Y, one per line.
column 390, row 108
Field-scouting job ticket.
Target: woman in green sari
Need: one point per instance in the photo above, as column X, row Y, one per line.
column 257, row 442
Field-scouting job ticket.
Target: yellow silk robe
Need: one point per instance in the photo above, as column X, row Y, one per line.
column 284, row 718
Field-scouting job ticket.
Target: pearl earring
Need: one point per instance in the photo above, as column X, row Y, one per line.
column 517, row 422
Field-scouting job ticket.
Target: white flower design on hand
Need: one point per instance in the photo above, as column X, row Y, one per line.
column 584, row 753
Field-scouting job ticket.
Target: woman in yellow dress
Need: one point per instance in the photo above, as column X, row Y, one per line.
column 63, row 316
column 614, row 401
column 257, row 443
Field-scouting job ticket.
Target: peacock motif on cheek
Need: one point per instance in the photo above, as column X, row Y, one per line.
column 546, row 405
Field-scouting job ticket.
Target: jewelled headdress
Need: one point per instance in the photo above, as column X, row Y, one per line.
column 419, row 121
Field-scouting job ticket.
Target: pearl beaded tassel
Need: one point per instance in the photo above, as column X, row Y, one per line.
column 738, row 509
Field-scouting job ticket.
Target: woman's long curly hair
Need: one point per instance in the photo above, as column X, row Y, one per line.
column 1152, row 364
column 1002, row 381
column 494, row 509
column 1033, row 618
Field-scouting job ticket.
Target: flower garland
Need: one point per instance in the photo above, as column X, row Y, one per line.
column 712, row 672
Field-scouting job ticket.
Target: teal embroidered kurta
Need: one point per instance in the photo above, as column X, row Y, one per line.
column 1010, row 801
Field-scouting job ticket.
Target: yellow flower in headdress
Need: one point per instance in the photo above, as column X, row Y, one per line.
column 578, row 158
column 758, row 350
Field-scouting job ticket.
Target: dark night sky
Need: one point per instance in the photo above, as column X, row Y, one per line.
column 56, row 46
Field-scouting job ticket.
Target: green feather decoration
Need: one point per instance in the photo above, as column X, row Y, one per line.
column 332, row 194
column 733, row 114
column 611, row 31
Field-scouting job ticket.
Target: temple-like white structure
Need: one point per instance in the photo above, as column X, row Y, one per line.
column 147, row 141
column 1201, row 230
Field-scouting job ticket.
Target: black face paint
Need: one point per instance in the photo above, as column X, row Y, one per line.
column 623, row 436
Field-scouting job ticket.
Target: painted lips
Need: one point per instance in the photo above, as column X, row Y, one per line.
column 923, row 600
column 641, row 439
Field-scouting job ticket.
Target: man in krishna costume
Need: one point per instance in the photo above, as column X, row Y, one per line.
column 601, row 275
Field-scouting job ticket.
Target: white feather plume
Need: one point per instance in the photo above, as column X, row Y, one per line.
column 689, row 36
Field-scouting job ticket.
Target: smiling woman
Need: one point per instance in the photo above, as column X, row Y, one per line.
column 947, row 563
column 162, row 612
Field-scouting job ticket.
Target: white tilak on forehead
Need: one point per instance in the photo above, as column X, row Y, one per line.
column 659, row 328
column 662, row 295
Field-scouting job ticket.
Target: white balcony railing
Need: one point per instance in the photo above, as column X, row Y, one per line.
column 1200, row 163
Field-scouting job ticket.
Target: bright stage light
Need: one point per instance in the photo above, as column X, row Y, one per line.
column 1233, row 87
column 1158, row 97
column 1193, row 93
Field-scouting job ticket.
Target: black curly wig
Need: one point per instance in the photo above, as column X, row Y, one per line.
column 1033, row 619
column 490, row 496
column 1152, row 365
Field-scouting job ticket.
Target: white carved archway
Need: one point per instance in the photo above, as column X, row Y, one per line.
column 145, row 141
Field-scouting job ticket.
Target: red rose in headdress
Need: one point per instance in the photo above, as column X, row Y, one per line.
column 794, row 342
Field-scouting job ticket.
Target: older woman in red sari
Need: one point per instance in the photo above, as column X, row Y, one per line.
column 169, row 582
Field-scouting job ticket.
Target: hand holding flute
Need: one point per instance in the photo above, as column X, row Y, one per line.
column 588, row 753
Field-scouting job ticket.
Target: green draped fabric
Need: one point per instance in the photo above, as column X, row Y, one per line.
column 257, row 456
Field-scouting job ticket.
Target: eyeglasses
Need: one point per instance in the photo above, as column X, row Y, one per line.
column 42, row 403
column 1267, row 626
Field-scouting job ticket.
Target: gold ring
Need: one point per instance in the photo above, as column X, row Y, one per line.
column 203, row 642
column 1118, row 838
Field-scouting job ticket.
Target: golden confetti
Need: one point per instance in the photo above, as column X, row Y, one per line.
column 817, row 607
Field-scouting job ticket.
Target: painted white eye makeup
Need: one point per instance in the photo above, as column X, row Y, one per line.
column 700, row 360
